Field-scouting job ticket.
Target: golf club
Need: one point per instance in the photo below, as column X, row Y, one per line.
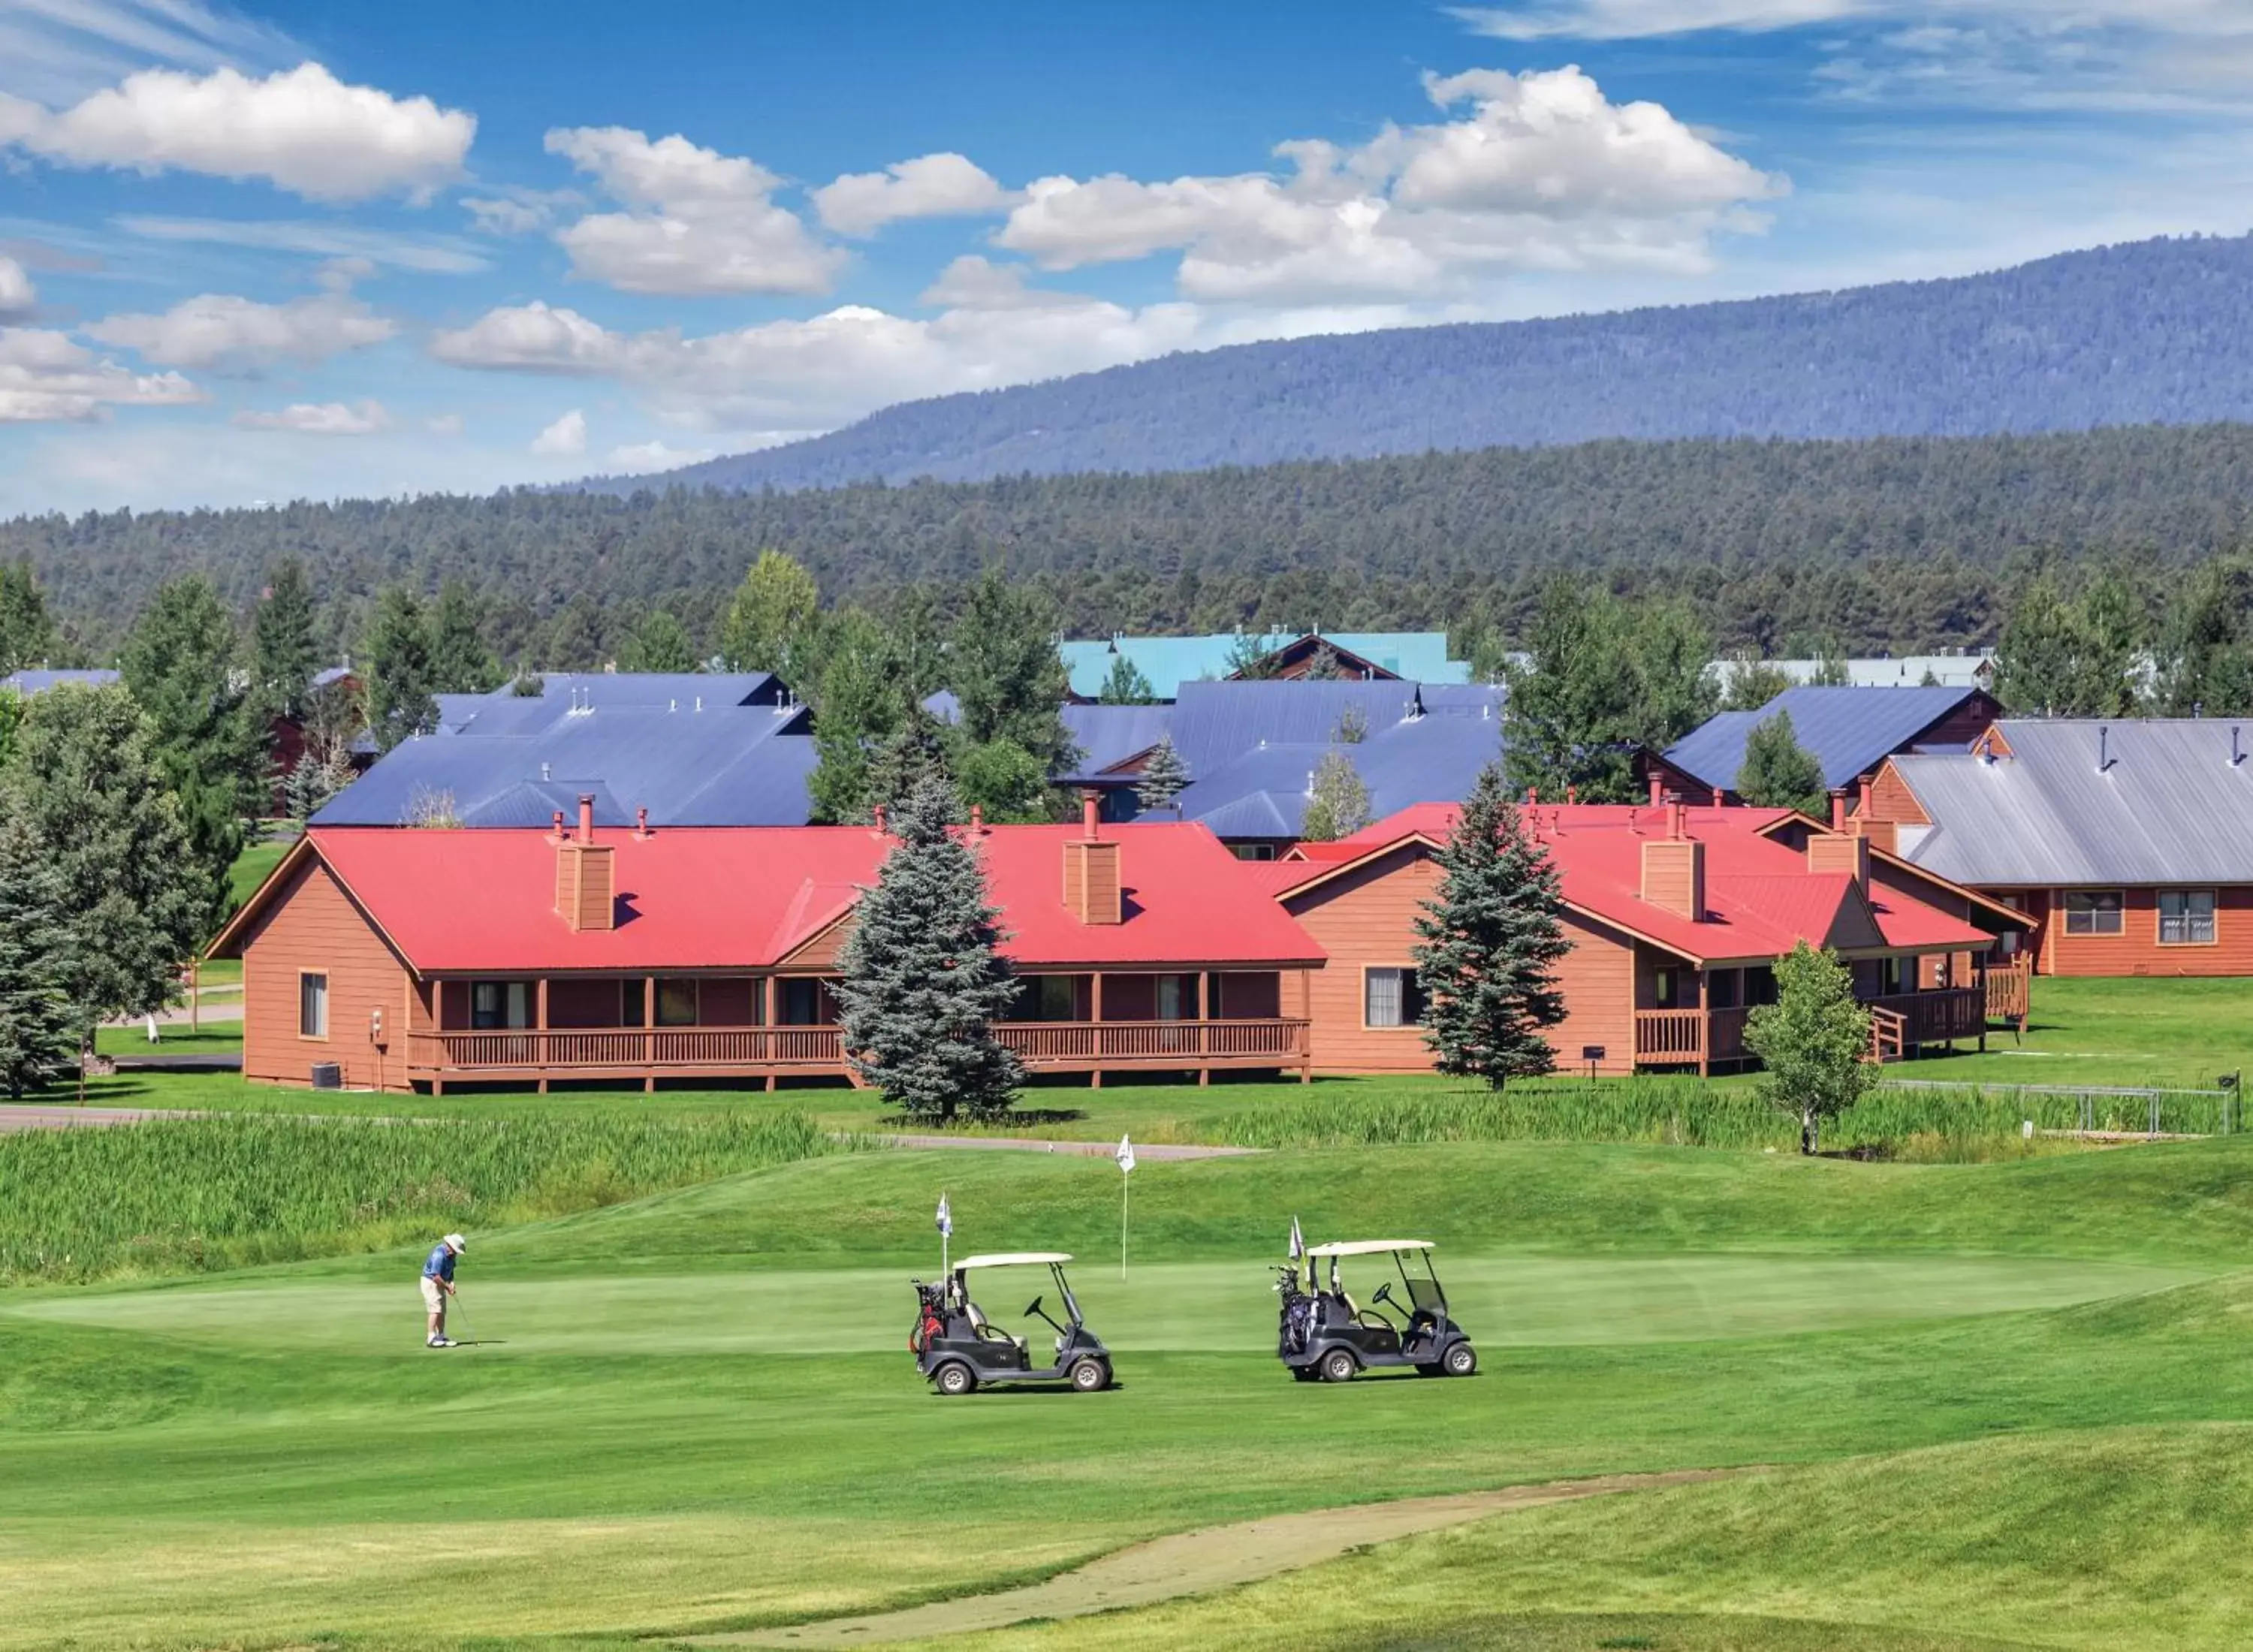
column 454, row 1313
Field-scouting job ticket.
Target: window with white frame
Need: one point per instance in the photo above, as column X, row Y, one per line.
column 2185, row 917
column 2094, row 911
column 313, row 1006
column 1391, row 998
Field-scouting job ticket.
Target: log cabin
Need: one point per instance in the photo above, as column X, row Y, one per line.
column 428, row 959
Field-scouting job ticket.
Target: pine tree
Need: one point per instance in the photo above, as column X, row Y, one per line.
column 1126, row 686
column 923, row 978
column 1813, row 1042
column 2037, row 658
column 180, row 664
column 858, row 708
column 660, row 644
column 1165, row 776
column 915, row 752
column 282, row 654
column 27, row 635
column 1780, row 773
column 460, row 662
column 85, row 782
column 770, row 618
column 1251, row 657
column 1007, row 673
column 1337, row 800
column 2205, row 654
column 400, row 691
column 1490, row 940
column 1326, row 666
column 39, row 1027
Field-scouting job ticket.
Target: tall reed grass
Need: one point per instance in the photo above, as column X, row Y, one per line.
column 191, row 1195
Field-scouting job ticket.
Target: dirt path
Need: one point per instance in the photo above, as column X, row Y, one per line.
column 1196, row 1562
column 1155, row 1152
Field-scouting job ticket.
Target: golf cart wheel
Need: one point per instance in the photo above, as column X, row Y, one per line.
column 954, row 1378
column 1090, row 1375
column 1338, row 1366
column 1461, row 1360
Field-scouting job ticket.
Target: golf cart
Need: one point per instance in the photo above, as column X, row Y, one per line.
column 957, row 1349
column 1327, row 1336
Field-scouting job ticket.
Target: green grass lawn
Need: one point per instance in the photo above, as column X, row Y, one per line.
column 1999, row 1403
column 251, row 866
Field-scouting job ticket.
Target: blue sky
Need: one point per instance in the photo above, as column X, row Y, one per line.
column 322, row 250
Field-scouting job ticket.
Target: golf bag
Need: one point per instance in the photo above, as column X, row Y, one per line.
column 930, row 1316
column 1297, row 1317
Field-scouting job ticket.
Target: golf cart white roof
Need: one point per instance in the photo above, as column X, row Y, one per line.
column 1012, row 1259
column 1368, row 1247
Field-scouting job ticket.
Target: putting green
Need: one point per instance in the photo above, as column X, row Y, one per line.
column 1505, row 1301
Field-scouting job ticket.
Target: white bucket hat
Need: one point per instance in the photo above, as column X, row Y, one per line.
column 455, row 1242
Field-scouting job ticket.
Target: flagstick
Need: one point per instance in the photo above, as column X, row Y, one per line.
column 1123, row 1181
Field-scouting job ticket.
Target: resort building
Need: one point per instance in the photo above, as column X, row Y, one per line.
column 1849, row 731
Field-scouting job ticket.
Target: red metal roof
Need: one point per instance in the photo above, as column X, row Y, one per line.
column 454, row 901
column 1760, row 898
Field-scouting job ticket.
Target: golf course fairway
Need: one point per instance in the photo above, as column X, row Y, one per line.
column 1975, row 1404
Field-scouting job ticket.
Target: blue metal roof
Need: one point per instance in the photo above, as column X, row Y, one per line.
column 38, row 682
column 1850, row 731
column 1110, row 734
column 1171, row 663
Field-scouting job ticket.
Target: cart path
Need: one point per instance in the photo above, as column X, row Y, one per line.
column 1155, row 1152
column 1196, row 1563
column 15, row 1116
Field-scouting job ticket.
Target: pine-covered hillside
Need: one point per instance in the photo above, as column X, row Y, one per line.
column 2146, row 333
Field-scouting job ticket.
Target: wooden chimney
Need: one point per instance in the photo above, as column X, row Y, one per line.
column 1674, row 869
column 586, row 875
column 1091, row 893
column 1846, row 852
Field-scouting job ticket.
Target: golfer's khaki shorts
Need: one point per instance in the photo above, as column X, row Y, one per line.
column 433, row 1298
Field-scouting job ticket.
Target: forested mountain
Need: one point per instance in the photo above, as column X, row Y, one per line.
column 1891, row 543
column 2147, row 332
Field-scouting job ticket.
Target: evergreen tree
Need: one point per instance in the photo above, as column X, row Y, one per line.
column 11, row 717
column 179, row 664
column 1337, row 800
column 27, row 635
column 1007, row 673
column 916, row 751
column 2036, row 660
column 922, row 976
column 770, row 619
column 400, row 689
column 2206, row 652
column 1126, row 686
column 1750, row 682
column 1326, row 666
column 311, row 785
column 460, row 662
column 578, row 638
column 39, row 1027
column 1671, row 652
column 1490, row 940
column 2115, row 641
column 86, row 785
column 1780, row 773
column 1569, row 721
column 282, row 655
column 1251, row 656
column 858, row 709
column 1165, row 776
column 659, row 643
column 1813, row 1042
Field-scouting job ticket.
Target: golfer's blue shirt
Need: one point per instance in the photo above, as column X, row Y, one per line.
column 439, row 1264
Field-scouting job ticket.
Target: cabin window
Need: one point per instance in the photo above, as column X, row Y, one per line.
column 1665, row 989
column 2185, row 917
column 1391, row 998
column 2094, row 911
column 631, row 999
column 1892, row 979
column 1760, row 985
column 1169, row 998
column 1721, row 988
column 1048, row 998
column 676, row 1002
column 1253, row 851
column 800, row 1000
column 313, row 1006
column 495, row 1005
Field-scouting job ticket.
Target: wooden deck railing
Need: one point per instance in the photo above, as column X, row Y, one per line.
column 1154, row 1043
column 1898, row 1024
column 2010, row 990
column 1669, row 1036
column 1935, row 1017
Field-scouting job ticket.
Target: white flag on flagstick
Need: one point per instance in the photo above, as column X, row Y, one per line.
column 946, row 1219
column 1125, row 1156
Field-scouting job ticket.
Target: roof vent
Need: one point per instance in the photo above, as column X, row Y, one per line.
column 2104, row 747
column 545, row 773
column 2236, row 747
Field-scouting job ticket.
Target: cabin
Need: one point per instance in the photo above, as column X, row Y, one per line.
column 1676, row 916
column 1849, row 731
column 428, row 960
column 2127, row 845
column 1168, row 664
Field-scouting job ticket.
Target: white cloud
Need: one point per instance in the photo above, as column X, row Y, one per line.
column 1641, row 19
column 640, row 458
column 1543, row 173
column 698, row 221
column 530, row 338
column 46, row 376
column 565, row 439
column 301, row 129
column 57, row 51
column 945, row 185
column 443, row 424
column 972, row 283
column 240, row 335
column 432, row 255
column 17, row 295
column 326, row 418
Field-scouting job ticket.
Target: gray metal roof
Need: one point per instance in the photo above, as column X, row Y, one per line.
column 2172, row 803
column 1850, row 731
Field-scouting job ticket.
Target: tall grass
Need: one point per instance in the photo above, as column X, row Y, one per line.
column 191, row 1195
column 1952, row 1123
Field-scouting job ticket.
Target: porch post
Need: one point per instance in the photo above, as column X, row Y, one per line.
column 540, row 1029
column 1204, row 1033
column 1095, row 1015
column 649, row 1022
column 1307, row 1027
column 767, row 1021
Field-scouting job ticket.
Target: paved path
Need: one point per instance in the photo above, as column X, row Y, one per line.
column 48, row 1116
column 193, row 1061
column 1155, row 1152
column 1195, row 1563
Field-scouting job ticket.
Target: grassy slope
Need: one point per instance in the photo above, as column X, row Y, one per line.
column 266, row 1456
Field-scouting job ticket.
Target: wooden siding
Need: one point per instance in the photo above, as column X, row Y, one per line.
column 312, row 925
column 1674, row 875
column 1091, row 882
column 1889, row 798
column 2135, row 950
column 820, row 952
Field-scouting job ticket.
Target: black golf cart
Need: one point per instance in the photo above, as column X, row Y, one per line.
column 1327, row 1336
column 957, row 1349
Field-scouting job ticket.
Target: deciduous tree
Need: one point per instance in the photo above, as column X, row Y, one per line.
column 284, row 657
column 1813, row 1042
column 27, row 635
column 659, row 643
column 1490, row 939
column 1006, row 672
column 1337, row 799
column 771, row 617
column 1750, row 682
column 923, row 976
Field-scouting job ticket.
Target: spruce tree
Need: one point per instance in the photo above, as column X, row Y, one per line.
column 1165, row 776
column 1125, row 685
column 915, row 752
column 27, row 635
column 1780, row 773
column 1337, row 799
column 460, row 662
column 282, row 655
column 924, row 978
column 1813, row 1042
column 401, row 699
column 1490, row 942
column 39, row 1027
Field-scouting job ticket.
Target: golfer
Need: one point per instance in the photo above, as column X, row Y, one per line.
column 438, row 1284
